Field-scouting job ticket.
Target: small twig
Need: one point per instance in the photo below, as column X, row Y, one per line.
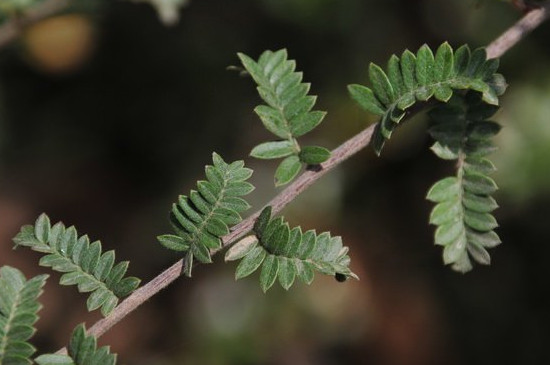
column 346, row 150
column 518, row 31
column 12, row 29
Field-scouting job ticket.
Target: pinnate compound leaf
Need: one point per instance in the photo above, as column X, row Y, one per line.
column 18, row 313
column 417, row 78
column 82, row 350
column 289, row 111
column 286, row 254
column 82, row 262
column 463, row 214
column 202, row 218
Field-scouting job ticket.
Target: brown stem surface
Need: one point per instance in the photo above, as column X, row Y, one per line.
column 518, row 31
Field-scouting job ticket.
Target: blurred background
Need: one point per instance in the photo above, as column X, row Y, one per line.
column 107, row 114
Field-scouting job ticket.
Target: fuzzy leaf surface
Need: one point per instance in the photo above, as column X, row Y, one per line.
column 288, row 110
column 286, row 254
column 18, row 313
column 202, row 218
column 419, row 77
column 82, row 262
column 462, row 214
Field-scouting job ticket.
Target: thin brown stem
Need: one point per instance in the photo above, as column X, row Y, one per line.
column 518, row 31
column 346, row 150
column 340, row 154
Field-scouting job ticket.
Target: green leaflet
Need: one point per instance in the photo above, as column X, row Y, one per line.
column 286, row 254
column 203, row 217
column 464, row 204
column 18, row 313
column 82, row 350
column 288, row 113
column 82, row 262
column 421, row 77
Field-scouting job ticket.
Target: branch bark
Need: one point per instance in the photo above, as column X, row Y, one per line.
column 497, row 48
column 518, row 31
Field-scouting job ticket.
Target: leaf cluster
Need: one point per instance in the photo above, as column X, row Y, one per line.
column 419, row 77
column 286, row 253
column 82, row 262
column 288, row 113
column 82, row 350
column 18, row 314
column 203, row 217
column 463, row 202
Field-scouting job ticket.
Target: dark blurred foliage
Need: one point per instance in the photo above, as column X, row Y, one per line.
column 107, row 115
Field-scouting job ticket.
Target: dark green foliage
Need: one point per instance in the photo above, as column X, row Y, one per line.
column 464, row 203
column 285, row 253
column 287, row 115
column 202, row 218
column 82, row 262
column 18, row 314
column 421, row 77
column 82, row 350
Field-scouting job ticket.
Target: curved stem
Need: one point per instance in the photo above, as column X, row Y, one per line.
column 340, row 154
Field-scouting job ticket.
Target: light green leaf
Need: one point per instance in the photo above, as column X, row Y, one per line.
column 444, row 152
column 395, row 76
column 314, row 155
column 479, row 253
column 271, row 150
column 486, row 239
column 241, row 248
column 448, row 233
column 479, row 184
column 408, row 69
column 381, row 85
column 444, row 190
column 480, row 204
column 446, row 212
column 173, row 242
column 42, row 228
column 366, row 99
column 444, row 63
column 52, row 359
column 287, row 272
column 216, row 227
column 454, row 250
column 306, row 122
column 287, row 170
column 269, row 272
column 425, row 66
column 482, row 222
column 250, row 262
column 273, row 121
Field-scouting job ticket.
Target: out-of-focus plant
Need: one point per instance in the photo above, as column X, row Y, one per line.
column 461, row 89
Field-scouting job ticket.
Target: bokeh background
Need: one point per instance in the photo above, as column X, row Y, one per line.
column 106, row 115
